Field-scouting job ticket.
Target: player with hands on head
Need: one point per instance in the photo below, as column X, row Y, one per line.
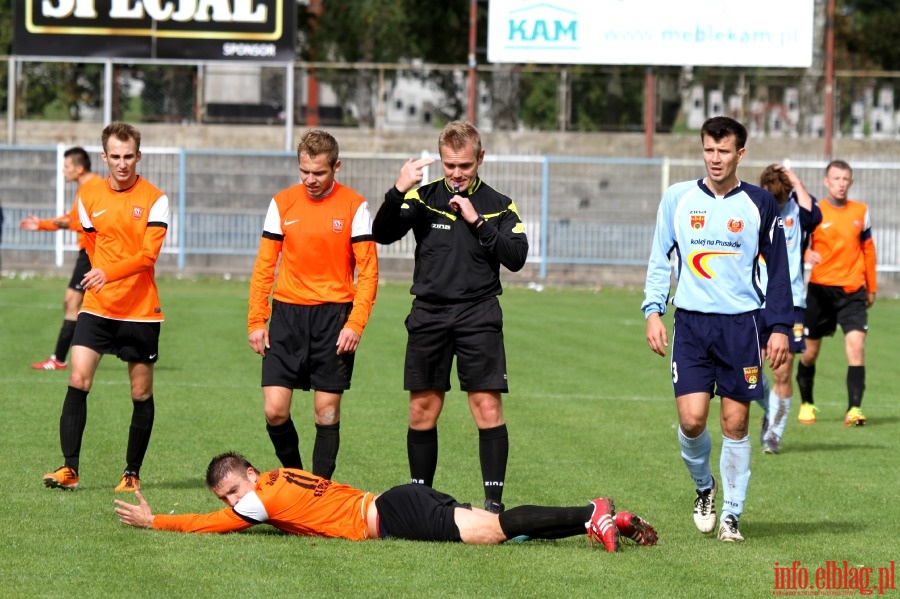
column 464, row 231
column 719, row 228
column 318, row 234
column 298, row 502
column 800, row 215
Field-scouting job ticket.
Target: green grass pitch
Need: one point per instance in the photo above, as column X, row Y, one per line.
column 590, row 413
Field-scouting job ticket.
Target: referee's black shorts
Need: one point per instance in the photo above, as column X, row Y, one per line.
column 827, row 307
column 471, row 331
column 303, row 352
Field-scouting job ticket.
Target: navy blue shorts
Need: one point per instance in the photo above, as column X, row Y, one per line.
column 717, row 354
column 82, row 266
column 796, row 340
column 417, row 513
column 472, row 331
column 132, row 342
column 303, row 352
column 827, row 307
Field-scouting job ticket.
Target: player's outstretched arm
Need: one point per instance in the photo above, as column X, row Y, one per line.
column 140, row 515
column 30, row 223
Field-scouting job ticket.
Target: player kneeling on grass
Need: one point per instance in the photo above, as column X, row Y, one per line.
column 298, row 502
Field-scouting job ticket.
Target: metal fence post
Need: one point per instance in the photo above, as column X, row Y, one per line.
column 545, row 214
column 58, row 240
column 182, row 206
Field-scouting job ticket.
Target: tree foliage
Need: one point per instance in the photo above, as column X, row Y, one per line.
column 867, row 29
column 390, row 31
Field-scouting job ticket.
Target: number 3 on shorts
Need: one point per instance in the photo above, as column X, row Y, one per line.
column 674, row 373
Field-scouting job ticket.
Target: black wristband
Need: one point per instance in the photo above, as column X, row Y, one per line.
column 478, row 221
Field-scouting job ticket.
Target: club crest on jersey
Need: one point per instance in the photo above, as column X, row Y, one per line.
column 337, row 225
column 789, row 221
column 751, row 374
column 137, row 212
column 697, row 221
column 735, row 225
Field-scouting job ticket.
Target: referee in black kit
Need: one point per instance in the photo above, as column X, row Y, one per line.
column 464, row 231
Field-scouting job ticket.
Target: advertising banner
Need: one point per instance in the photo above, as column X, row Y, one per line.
column 762, row 33
column 234, row 30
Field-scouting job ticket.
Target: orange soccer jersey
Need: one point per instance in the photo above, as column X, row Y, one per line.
column 47, row 224
column 291, row 500
column 124, row 233
column 320, row 242
column 844, row 241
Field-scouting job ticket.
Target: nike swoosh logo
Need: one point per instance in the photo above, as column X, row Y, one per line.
column 152, row 356
column 96, row 214
column 288, row 223
column 826, row 225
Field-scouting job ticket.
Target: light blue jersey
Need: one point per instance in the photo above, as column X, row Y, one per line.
column 718, row 243
column 798, row 226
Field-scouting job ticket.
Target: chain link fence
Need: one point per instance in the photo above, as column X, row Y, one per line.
column 588, row 219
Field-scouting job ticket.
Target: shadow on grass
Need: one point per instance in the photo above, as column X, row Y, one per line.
column 187, row 483
column 786, row 529
column 831, row 447
column 881, row 420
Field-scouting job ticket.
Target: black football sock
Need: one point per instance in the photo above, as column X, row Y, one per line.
column 422, row 452
column 539, row 522
column 71, row 425
column 139, row 434
column 856, row 385
column 64, row 341
column 325, row 449
column 287, row 444
column 493, row 450
column 805, row 378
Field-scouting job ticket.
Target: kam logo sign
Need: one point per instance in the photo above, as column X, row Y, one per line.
column 542, row 26
column 197, row 29
column 649, row 32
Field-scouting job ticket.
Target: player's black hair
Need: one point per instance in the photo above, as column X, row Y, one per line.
column 224, row 464
column 718, row 127
column 79, row 157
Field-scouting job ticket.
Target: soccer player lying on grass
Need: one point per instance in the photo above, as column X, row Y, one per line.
column 298, row 502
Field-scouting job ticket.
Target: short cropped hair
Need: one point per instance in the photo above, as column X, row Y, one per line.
column 775, row 181
column 316, row 142
column 224, row 464
column 79, row 157
column 457, row 134
column 839, row 164
column 719, row 127
column 122, row 132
